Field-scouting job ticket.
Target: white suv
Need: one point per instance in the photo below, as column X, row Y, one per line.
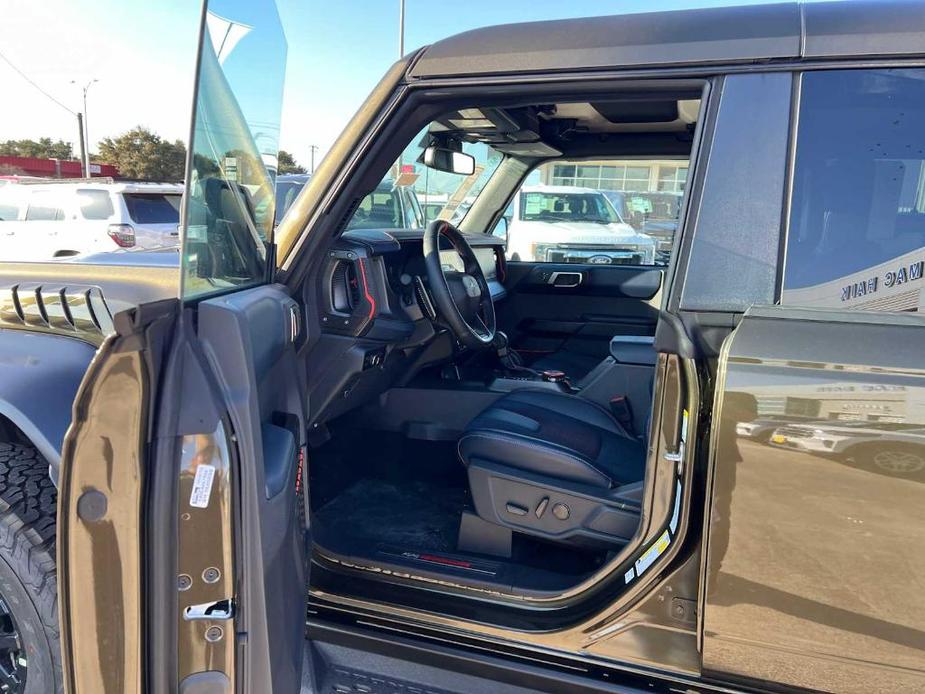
column 567, row 224
column 39, row 221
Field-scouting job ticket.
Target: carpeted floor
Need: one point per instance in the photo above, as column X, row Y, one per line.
column 414, row 515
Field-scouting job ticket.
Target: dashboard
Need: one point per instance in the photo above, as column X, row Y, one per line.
column 375, row 282
column 377, row 319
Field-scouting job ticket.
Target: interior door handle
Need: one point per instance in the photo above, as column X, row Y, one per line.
column 565, row 280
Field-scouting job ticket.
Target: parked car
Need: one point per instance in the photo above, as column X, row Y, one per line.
column 362, row 460
column 888, row 448
column 39, row 221
column 390, row 206
column 567, row 224
column 761, row 429
column 654, row 214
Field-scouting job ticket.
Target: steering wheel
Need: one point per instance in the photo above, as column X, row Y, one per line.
column 463, row 299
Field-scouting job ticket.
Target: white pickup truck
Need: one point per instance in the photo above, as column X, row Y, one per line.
column 567, row 224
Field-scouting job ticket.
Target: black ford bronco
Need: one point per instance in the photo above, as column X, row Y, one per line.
column 313, row 458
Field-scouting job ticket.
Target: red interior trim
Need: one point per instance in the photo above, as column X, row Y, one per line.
column 366, row 293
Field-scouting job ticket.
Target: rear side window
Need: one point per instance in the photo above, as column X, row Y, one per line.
column 857, row 222
column 9, row 205
column 94, row 204
column 153, row 208
column 44, row 206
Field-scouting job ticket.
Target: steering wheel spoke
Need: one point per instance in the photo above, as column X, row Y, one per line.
column 463, row 299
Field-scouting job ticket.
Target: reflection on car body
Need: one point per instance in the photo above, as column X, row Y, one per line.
column 885, row 447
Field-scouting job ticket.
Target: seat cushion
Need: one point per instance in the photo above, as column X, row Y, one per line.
column 573, row 364
column 555, row 435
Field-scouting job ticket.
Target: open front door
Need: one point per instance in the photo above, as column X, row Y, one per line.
column 816, row 521
column 182, row 534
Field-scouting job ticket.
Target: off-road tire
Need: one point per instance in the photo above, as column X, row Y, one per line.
column 27, row 562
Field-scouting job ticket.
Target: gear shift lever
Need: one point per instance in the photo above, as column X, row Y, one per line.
column 509, row 359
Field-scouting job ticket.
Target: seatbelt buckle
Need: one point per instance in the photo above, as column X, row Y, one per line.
column 622, row 412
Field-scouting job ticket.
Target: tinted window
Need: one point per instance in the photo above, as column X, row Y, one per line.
column 94, row 204
column 44, row 207
column 153, row 208
column 857, row 224
column 9, row 205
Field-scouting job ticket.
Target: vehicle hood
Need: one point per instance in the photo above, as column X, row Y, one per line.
column 589, row 233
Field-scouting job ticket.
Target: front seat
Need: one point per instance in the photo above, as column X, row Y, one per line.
column 555, row 466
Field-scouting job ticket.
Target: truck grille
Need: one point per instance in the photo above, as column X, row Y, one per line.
column 583, row 254
column 794, row 432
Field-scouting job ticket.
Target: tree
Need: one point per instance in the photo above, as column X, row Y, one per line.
column 43, row 148
column 140, row 153
column 286, row 163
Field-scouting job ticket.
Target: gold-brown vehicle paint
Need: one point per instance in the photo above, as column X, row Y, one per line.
column 100, row 605
column 205, row 572
column 814, row 563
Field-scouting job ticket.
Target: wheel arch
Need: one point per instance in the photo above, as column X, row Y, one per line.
column 39, row 377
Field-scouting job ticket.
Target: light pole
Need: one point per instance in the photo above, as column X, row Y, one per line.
column 401, row 28
column 85, row 148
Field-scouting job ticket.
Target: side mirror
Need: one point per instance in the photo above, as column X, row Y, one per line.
column 451, row 161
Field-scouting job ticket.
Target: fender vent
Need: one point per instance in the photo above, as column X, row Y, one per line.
column 76, row 311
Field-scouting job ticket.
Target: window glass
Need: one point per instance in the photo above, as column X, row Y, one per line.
column 601, row 212
column 44, row 206
column 229, row 211
column 411, row 195
column 9, row 204
column 153, row 208
column 857, row 221
column 94, row 204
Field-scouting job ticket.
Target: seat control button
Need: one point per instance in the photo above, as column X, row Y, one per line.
column 560, row 511
column 541, row 507
column 516, row 509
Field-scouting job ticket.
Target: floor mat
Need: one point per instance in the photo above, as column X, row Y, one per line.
column 413, row 515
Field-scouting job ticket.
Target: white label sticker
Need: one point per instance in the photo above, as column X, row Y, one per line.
column 202, row 486
column 629, row 575
column 651, row 554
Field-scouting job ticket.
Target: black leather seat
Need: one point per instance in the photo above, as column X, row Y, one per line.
column 536, row 445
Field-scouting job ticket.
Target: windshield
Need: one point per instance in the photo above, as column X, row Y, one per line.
column 412, row 195
column 566, row 207
column 153, row 208
column 286, row 193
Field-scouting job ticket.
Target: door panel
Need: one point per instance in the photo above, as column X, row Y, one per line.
column 543, row 313
column 817, row 520
column 248, row 340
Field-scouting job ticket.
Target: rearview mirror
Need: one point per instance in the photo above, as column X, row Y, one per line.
column 449, row 160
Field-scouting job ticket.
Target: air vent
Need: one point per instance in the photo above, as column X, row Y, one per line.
column 345, row 287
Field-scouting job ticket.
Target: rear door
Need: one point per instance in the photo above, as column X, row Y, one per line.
column 183, row 547
column 813, row 561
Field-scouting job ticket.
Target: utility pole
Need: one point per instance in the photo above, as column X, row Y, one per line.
column 313, row 149
column 85, row 142
column 83, row 152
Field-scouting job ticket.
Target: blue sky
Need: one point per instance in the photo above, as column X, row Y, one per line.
column 142, row 53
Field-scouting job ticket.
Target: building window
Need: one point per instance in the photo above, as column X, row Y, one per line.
column 671, row 179
column 602, row 176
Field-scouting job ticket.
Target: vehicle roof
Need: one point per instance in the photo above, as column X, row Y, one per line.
column 120, row 187
column 559, row 190
column 749, row 34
